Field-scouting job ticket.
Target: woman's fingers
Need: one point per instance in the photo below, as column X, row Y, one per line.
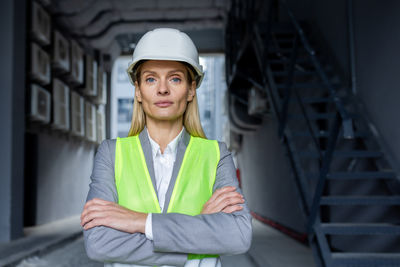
column 229, row 201
column 105, row 213
column 221, row 191
column 226, row 197
column 97, row 201
column 209, row 206
column 94, row 214
column 100, row 219
column 97, row 211
column 221, row 199
column 91, row 224
column 96, row 204
column 231, row 209
column 90, row 208
column 91, row 216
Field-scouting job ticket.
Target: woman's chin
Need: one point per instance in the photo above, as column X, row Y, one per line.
column 164, row 117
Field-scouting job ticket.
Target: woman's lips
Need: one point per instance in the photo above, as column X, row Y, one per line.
column 163, row 104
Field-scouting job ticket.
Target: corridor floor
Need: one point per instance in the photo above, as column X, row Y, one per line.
column 270, row 248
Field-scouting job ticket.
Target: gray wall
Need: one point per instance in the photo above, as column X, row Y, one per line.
column 64, row 166
column 12, row 117
column 63, row 174
column 378, row 67
column 377, row 42
column 5, row 118
column 267, row 180
column 330, row 19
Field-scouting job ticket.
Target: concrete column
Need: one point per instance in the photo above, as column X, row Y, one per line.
column 12, row 117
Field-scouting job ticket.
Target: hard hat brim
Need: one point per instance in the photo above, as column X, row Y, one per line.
column 133, row 66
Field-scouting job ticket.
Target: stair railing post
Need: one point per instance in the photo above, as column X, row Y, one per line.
column 324, row 169
column 348, row 131
column 288, row 87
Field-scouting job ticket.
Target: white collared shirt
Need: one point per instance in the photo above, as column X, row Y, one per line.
column 163, row 165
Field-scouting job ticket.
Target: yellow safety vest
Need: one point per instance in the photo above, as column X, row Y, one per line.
column 193, row 186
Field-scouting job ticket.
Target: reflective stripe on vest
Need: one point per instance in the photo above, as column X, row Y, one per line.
column 193, row 186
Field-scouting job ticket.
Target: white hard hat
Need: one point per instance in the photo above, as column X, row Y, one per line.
column 166, row 44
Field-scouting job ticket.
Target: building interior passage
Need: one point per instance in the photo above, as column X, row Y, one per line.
column 304, row 94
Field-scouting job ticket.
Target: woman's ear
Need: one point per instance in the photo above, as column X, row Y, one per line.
column 137, row 92
column 192, row 91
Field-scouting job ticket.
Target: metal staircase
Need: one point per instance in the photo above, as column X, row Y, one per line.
column 347, row 187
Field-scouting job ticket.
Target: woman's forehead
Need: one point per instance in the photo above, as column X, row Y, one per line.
column 162, row 66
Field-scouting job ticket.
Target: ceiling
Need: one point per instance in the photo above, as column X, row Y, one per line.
column 114, row 26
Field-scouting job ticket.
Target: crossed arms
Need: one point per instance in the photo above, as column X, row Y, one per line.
column 116, row 234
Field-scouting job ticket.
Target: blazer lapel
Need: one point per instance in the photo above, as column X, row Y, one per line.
column 146, row 146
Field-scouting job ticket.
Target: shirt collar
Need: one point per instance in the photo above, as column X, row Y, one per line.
column 171, row 147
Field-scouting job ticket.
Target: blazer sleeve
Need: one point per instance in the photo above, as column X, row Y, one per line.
column 218, row 233
column 107, row 244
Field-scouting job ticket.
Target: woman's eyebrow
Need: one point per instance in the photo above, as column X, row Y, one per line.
column 177, row 70
column 149, row 71
column 169, row 72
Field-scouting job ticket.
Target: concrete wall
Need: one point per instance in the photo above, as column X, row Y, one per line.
column 12, row 117
column 63, row 175
column 5, row 119
column 330, row 19
column 377, row 40
column 267, row 180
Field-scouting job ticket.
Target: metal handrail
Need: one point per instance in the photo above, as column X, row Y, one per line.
column 284, row 110
column 324, row 170
column 342, row 120
column 348, row 131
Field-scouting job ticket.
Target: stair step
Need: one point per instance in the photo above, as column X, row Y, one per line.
column 313, row 85
column 318, row 116
column 325, row 134
column 361, row 175
column 344, row 259
column 344, row 176
column 286, row 29
column 296, row 73
column 320, row 134
column 313, row 116
column 287, row 60
column 360, row 200
column 315, row 100
column 280, row 50
column 287, row 52
column 345, row 154
column 284, row 37
column 285, row 41
column 360, row 229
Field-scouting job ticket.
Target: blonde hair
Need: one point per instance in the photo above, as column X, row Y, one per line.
column 191, row 116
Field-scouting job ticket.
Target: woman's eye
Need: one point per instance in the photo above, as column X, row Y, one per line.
column 176, row 79
column 150, row 80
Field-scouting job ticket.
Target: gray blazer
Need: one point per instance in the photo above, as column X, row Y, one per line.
column 174, row 235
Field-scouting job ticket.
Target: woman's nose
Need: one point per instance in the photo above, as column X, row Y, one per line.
column 163, row 88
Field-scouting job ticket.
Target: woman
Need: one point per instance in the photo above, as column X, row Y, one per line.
column 164, row 195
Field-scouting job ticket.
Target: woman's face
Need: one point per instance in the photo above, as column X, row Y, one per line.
column 164, row 90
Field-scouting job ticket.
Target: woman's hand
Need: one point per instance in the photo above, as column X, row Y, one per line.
column 224, row 199
column 98, row 212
